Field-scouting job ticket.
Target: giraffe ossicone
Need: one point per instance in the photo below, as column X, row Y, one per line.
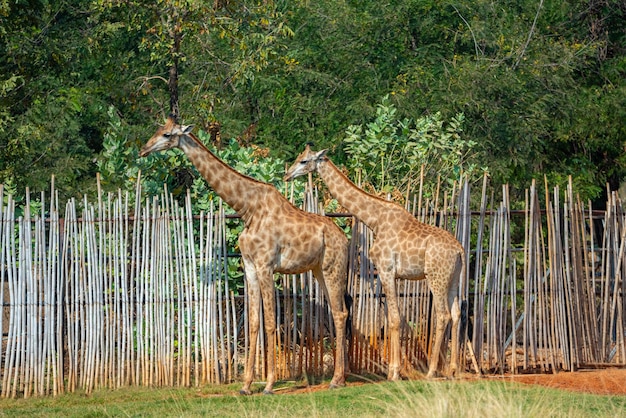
column 277, row 238
column 403, row 248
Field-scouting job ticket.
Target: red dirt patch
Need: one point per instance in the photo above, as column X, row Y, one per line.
column 611, row 381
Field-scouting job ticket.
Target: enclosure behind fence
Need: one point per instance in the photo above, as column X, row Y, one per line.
column 130, row 291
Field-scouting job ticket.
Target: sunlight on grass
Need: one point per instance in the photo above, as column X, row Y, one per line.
column 489, row 399
column 387, row 399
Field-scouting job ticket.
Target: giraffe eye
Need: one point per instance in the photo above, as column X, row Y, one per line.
column 167, row 135
column 304, row 162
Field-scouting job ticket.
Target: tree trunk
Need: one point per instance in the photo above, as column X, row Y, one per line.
column 172, row 81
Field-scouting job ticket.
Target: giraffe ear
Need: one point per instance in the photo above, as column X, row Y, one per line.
column 186, row 129
column 320, row 154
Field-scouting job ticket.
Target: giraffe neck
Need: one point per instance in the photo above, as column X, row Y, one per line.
column 237, row 190
column 361, row 204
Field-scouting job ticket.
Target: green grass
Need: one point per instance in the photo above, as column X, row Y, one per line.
column 407, row 398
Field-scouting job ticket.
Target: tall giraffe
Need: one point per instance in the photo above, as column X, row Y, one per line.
column 277, row 238
column 403, row 248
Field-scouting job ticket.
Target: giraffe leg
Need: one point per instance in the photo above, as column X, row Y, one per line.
column 393, row 324
column 456, row 316
column 335, row 291
column 254, row 300
column 453, row 301
column 340, row 314
column 442, row 311
column 266, row 281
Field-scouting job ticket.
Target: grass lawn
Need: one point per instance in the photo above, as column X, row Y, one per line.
column 382, row 399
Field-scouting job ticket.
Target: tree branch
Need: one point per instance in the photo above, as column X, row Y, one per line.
column 470, row 29
column 530, row 34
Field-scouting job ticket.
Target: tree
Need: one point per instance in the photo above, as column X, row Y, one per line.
column 523, row 75
column 47, row 105
column 389, row 153
column 540, row 84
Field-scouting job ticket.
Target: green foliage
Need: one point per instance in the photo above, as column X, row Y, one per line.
column 6, row 86
column 540, row 85
column 115, row 162
column 520, row 73
column 53, row 108
column 46, row 141
column 389, row 153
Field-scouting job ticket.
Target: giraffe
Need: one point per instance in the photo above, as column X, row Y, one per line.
column 277, row 238
column 403, row 248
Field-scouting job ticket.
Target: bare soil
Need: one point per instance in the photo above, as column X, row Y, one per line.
column 609, row 381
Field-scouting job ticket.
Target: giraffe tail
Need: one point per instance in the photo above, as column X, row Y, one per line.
column 348, row 300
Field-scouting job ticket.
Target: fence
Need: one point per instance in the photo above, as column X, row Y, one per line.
column 132, row 291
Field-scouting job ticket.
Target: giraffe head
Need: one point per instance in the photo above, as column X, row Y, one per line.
column 305, row 163
column 166, row 137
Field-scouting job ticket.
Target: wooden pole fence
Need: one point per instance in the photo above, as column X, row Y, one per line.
column 135, row 290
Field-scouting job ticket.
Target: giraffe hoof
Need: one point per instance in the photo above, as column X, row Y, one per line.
column 393, row 377
column 268, row 392
column 336, row 385
column 245, row 392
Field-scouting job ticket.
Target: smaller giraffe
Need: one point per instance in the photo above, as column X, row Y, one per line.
column 403, row 248
column 277, row 238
